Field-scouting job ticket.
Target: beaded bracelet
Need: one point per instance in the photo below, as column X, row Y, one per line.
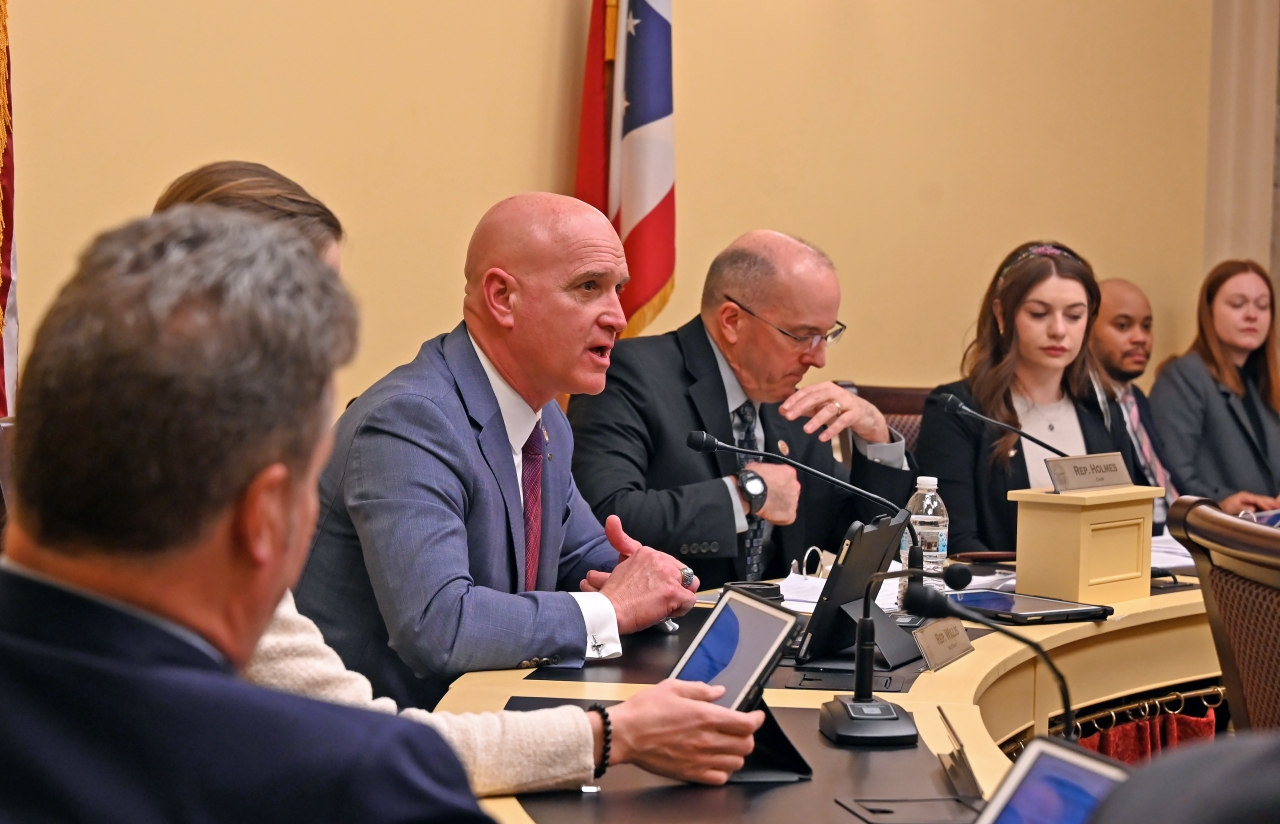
column 608, row 737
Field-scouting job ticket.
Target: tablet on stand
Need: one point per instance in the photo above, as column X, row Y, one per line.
column 866, row 550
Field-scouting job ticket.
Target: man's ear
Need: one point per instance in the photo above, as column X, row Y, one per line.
column 262, row 516
column 729, row 316
column 498, row 289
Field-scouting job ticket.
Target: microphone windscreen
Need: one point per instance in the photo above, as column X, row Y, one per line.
column 701, row 442
column 950, row 402
column 957, row 576
column 925, row 602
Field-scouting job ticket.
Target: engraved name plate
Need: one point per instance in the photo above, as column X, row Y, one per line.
column 1088, row 472
column 942, row 642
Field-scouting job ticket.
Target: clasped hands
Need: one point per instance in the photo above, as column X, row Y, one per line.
column 645, row 587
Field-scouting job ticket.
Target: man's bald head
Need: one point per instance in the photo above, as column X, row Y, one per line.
column 520, row 234
column 543, row 275
column 749, row 269
column 1119, row 289
column 1121, row 337
column 766, row 296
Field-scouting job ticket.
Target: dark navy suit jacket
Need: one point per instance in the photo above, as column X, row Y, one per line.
column 416, row 573
column 107, row 717
column 633, row 461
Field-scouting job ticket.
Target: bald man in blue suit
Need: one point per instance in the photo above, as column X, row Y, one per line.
column 451, row 536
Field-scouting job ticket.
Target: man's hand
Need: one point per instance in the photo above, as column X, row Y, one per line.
column 838, row 409
column 672, row 729
column 783, row 496
column 644, row 587
column 1248, row 502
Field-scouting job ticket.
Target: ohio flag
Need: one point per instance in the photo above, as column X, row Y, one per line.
column 626, row 144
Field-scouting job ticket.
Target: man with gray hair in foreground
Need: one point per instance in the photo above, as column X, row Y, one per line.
column 173, row 421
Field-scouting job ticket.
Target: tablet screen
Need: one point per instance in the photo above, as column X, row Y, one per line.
column 1059, row 786
column 1010, row 602
column 735, row 645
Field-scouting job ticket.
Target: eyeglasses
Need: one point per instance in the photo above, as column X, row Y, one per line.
column 809, row 342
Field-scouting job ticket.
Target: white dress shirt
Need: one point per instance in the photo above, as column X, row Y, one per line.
column 519, row 418
column 893, row 453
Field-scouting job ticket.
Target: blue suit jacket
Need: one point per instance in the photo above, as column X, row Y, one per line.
column 108, row 717
column 417, row 568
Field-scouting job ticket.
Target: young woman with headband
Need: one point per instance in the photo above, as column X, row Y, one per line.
column 1029, row 367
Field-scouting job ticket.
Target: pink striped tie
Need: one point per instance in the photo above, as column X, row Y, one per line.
column 1139, row 432
column 531, row 480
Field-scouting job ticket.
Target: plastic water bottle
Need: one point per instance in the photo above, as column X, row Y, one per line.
column 929, row 516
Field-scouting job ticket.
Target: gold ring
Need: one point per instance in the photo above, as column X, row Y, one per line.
column 839, row 408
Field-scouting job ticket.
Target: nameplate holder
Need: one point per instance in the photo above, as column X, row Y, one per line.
column 1088, row 472
column 942, row 642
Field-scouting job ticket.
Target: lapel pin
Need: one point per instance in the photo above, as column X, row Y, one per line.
column 783, row 449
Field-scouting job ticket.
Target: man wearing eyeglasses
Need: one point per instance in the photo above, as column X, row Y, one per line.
column 769, row 309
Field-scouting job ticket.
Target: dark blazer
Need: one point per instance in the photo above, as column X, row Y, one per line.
column 632, row 461
column 1207, row 434
column 1157, row 443
column 108, row 717
column 416, row 572
column 957, row 450
column 1229, row 780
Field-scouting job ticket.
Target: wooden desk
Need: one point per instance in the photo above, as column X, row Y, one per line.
column 998, row 690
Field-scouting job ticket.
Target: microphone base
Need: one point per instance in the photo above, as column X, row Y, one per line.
column 874, row 723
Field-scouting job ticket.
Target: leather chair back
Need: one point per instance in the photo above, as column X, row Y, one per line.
column 1238, row 563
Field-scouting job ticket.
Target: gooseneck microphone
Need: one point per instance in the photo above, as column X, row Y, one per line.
column 955, row 406
column 928, row 603
column 956, row 576
column 706, row 442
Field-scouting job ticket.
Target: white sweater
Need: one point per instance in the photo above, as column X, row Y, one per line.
column 503, row 752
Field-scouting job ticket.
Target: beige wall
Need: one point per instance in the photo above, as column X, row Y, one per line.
column 917, row 142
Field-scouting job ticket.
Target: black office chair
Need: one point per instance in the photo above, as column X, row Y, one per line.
column 1238, row 562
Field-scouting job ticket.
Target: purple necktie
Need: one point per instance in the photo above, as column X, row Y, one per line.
column 531, row 480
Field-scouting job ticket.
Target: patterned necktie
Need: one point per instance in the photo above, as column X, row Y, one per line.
column 531, row 480
column 1146, row 452
column 750, row 542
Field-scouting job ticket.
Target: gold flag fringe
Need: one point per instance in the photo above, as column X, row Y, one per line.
column 647, row 313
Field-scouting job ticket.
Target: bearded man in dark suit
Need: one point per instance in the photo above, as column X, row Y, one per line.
column 769, row 308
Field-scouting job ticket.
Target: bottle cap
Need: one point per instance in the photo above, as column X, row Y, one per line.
column 927, row 481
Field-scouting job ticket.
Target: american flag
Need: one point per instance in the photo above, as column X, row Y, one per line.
column 626, row 144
